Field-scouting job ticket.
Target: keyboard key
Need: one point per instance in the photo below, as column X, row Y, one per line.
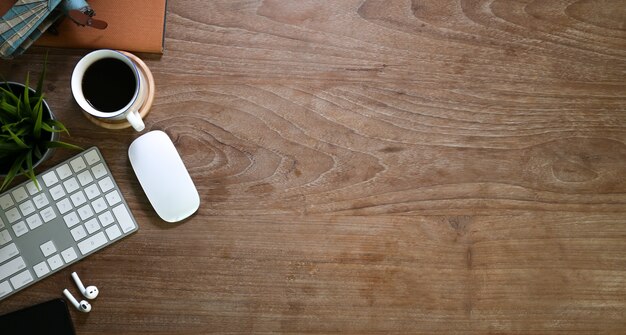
column 113, row 232
column 92, row 191
column 32, row 188
column 50, row 178
column 92, row 243
column 57, row 192
column 78, row 233
column 92, row 157
column 48, row 248
column 85, row 212
column 55, row 262
column 64, row 171
column 20, row 228
column 5, row 288
column 13, row 215
column 85, row 178
column 78, row 198
column 19, row 194
column 64, row 206
column 71, row 185
column 41, row 200
column 113, row 198
column 48, row 214
column 21, row 279
column 99, row 205
column 69, row 254
column 41, row 269
column 8, row 252
column 5, row 237
column 78, row 164
column 105, row 184
column 99, row 171
column 71, row 219
column 106, row 218
column 27, row 208
column 92, row 226
column 123, row 218
column 34, row 221
column 11, row 267
column 6, row 201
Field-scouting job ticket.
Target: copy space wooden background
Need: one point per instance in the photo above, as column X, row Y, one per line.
column 408, row 167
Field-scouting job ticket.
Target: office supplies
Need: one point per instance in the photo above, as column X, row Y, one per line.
column 27, row 20
column 163, row 176
column 50, row 317
column 77, row 210
column 133, row 25
column 90, row 292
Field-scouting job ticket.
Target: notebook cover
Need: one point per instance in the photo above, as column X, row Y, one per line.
column 134, row 25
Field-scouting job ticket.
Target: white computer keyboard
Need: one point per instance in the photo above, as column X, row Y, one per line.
column 77, row 210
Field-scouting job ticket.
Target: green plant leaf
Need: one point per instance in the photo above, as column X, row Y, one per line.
column 30, row 172
column 22, row 125
column 59, row 144
column 42, row 76
column 46, row 127
column 17, row 140
column 38, row 153
column 15, row 167
column 8, row 126
column 29, row 160
column 10, row 147
column 9, row 94
column 17, row 129
column 26, row 97
column 21, row 109
column 23, row 128
column 5, row 117
column 8, row 108
column 58, row 125
column 38, row 111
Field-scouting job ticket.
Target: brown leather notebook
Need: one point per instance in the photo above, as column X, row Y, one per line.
column 133, row 25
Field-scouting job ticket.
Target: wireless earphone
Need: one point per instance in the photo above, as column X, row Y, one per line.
column 91, row 292
column 82, row 306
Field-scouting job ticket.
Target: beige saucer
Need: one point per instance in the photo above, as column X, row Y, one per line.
column 145, row 108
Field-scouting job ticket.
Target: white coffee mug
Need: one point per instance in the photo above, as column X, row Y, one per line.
column 130, row 111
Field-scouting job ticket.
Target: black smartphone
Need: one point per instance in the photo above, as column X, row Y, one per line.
column 51, row 317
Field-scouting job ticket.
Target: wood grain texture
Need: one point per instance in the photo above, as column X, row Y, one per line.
column 372, row 167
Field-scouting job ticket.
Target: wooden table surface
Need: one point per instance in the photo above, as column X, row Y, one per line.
column 370, row 166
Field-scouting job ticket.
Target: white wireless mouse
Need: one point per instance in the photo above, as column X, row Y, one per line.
column 163, row 176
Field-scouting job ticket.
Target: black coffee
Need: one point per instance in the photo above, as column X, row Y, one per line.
column 109, row 84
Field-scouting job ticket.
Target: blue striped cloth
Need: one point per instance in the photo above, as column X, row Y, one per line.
column 24, row 23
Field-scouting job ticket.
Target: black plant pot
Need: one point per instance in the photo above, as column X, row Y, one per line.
column 18, row 90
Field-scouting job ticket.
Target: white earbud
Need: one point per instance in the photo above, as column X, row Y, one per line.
column 91, row 292
column 82, row 306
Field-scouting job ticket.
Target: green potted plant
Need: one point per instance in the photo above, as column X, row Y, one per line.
column 29, row 131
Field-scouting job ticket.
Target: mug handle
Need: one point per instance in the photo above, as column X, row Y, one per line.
column 135, row 120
